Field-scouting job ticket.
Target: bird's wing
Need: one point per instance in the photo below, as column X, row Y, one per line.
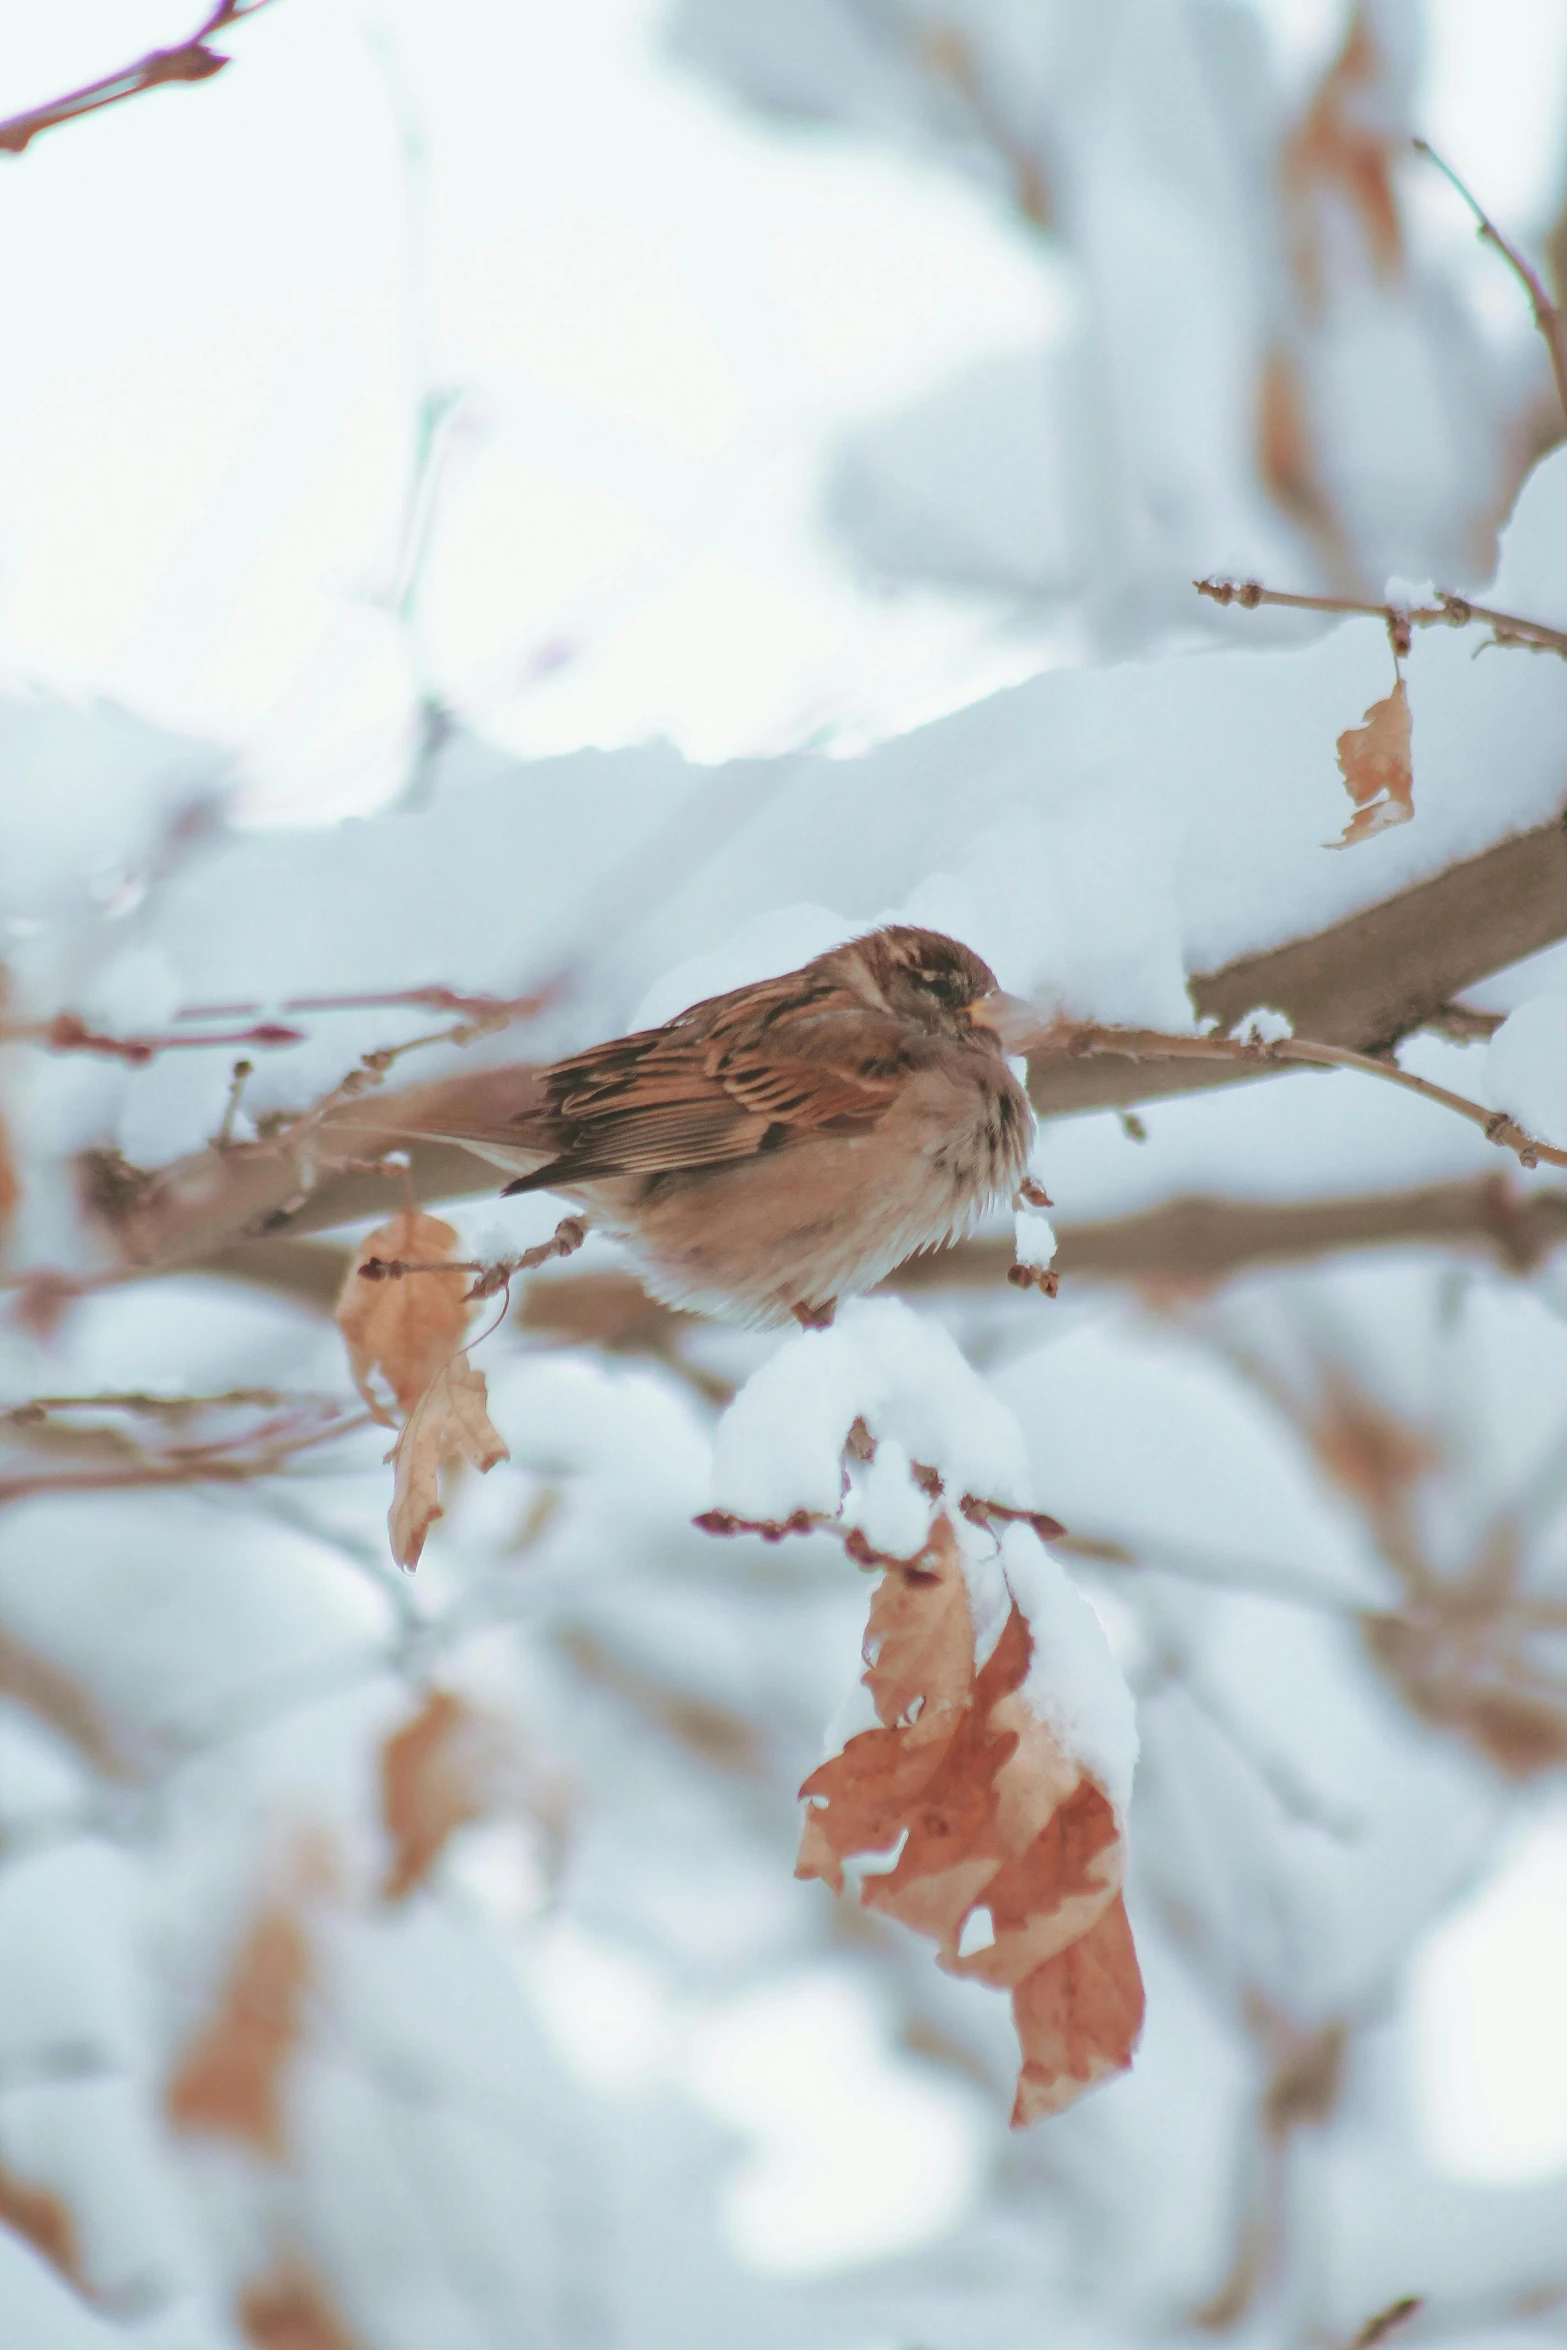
column 755, row 1072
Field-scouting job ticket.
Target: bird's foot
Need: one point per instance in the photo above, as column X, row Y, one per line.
column 814, row 1317
column 567, row 1237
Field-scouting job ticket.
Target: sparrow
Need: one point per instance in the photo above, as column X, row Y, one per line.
column 772, row 1150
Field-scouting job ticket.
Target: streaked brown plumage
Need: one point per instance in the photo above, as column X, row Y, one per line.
column 772, row 1150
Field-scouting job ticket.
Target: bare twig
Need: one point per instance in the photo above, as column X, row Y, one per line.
column 1377, row 2329
column 490, row 1279
column 106, row 1458
column 68, row 1033
column 238, row 1076
column 191, row 61
column 1448, row 611
column 1085, row 1037
column 493, row 1010
column 1547, row 316
column 162, row 1407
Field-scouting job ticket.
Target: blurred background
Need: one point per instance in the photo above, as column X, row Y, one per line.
column 611, row 497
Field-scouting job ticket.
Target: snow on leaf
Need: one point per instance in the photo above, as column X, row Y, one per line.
column 449, row 1765
column 984, row 1811
column 449, row 1423
column 230, row 2079
column 43, row 2221
column 1374, row 760
column 407, row 1326
column 289, row 2309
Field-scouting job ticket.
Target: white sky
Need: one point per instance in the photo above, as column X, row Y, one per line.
column 660, row 315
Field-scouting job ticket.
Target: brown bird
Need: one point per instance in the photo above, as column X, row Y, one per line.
column 774, row 1149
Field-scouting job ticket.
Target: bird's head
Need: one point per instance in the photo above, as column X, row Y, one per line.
column 923, row 975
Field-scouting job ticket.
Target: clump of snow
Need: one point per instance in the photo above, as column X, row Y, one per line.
column 1526, row 1068
column 779, row 1446
column 890, row 1510
column 1074, row 1683
column 1033, row 1238
column 1263, row 1026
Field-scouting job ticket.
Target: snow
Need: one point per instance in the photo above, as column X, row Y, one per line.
column 890, row 1510
column 1265, row 1025
column 1073, row 1683
column 1526, row 1068
column 779, row 1446
column 1033, row 1238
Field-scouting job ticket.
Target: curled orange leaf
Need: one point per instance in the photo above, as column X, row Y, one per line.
column 409, row 1326
column 449, row 1424
column 1374, row 760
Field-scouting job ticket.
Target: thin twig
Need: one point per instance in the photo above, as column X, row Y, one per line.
column 1150, row 1044
column 567, row 1237
column 1377, row 2329
column 215, row 1468
column 1495, row 1125
column 67, row 1032
column 192, row 61
column 489, row 1008
column 1547, row 316
column 1448, row 611
column 240, row 1073
column 174, row 1407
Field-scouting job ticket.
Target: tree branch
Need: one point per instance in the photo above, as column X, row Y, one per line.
column 192, row 61
column 1358, row 986
column 1195, row 1242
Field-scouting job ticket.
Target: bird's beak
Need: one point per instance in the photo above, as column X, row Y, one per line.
column 1016, row 1023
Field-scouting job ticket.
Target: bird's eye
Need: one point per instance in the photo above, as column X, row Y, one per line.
column 945, row 986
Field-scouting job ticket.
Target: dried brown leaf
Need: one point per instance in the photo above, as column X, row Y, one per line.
column 230, row 2079
column 1078, row 2017
column 1374, row 760
column 1287, row 457
column 986, row 1813
column 35, row 1681
column 1343, row 149
column 289, row 2309
column 10, row 1185
column 43, row 2221
column 406, row 1327
column 449, row 1423
column 451, row 1764
column 1367, row 1450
